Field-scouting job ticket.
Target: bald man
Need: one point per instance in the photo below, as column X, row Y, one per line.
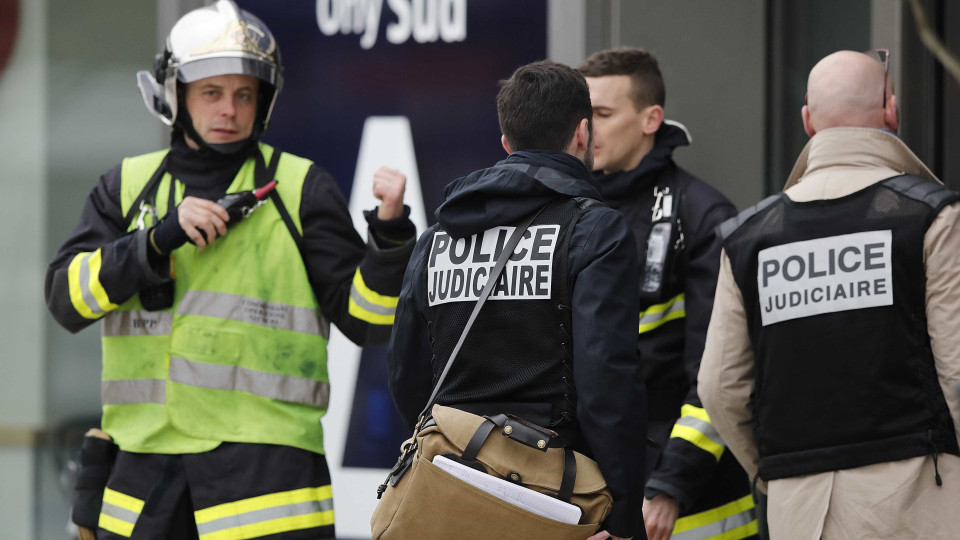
column 832, row 361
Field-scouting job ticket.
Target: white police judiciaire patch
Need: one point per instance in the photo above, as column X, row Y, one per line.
column 458, row 268
column 838, row 273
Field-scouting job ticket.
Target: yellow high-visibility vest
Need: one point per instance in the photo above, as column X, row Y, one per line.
column 241, row 355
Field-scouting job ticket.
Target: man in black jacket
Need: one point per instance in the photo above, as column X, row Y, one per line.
column 558, row 348
column 672, row 214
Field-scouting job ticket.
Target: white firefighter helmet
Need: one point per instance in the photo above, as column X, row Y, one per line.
column 220, row 39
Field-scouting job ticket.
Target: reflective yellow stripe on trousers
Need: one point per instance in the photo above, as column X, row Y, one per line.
column 119, row 512
column 731, row 521
column 658, row 314
column 267, row 514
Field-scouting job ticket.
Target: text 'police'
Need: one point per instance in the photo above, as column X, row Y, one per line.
column 458, row 267
column 826, row 275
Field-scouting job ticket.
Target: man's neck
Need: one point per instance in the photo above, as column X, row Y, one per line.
column 644, row 148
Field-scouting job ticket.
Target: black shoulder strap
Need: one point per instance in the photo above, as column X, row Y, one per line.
column 262, row 176
column 725, row 229
column 932, row 193
column 147, row 191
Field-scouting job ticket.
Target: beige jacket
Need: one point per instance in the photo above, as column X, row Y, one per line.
column 888, row 500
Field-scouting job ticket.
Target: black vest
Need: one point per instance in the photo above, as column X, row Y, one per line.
column 517, row 357
column 834, row 293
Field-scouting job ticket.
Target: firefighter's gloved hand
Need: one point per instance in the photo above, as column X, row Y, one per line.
column 168, row 235
column 96, row 460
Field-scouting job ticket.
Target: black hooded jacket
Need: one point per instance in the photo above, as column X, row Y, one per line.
column 687, row 466
column 603, row 281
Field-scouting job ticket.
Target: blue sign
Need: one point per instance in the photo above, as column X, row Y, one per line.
column 435, row 62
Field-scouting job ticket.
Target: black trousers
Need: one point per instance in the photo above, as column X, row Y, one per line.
column 235, row 491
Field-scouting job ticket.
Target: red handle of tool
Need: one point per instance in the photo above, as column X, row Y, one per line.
column 260, row 193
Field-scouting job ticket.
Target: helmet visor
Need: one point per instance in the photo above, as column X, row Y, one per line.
column 229, row 65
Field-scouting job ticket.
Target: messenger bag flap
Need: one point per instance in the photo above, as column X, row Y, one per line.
column 505, row 456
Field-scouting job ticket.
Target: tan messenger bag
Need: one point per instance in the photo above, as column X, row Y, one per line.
column 421, row 500
column 428, row 502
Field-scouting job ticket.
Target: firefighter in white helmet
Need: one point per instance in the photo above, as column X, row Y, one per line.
column 214, row 343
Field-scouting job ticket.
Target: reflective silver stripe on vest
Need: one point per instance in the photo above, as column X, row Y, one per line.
column 114, row 511
column 261, row 383
column 84, row 276
column 706, row 428
column 254, row 311
column 137, row 323
column 369, row 306
column 711, row 530
column 125, row 392
column 656, row 316
column 265, row 514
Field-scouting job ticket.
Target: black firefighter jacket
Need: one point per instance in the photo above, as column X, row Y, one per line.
column 692, row 464
column 604, row 297
column 332, row 250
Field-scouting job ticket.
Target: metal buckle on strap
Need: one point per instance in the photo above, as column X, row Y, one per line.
column 663, row 204
column 407, row 452
column 247, row 210
column 144, row 208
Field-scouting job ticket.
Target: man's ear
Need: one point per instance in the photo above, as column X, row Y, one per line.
column 580, row 142
column 583, row 135
column 891, row 116
column 807, row 124
column 505, row 144
column 652, row 119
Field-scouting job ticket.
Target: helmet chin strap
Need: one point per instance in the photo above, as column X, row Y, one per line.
column 185, row 123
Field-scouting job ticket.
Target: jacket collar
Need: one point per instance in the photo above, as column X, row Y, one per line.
column 626, row 184
column 511, row 190
column 856, row 147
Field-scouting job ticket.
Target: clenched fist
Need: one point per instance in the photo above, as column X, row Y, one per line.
column 388, row 186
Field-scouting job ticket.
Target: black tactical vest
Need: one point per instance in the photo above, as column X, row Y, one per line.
column 517, row 357
column 834, row 292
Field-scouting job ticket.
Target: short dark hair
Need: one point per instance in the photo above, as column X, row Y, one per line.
column 646, row 81
column 541, row 105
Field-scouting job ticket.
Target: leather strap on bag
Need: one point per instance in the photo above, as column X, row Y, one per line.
column 476, row 442
column 514, row 428
column 569, row 477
